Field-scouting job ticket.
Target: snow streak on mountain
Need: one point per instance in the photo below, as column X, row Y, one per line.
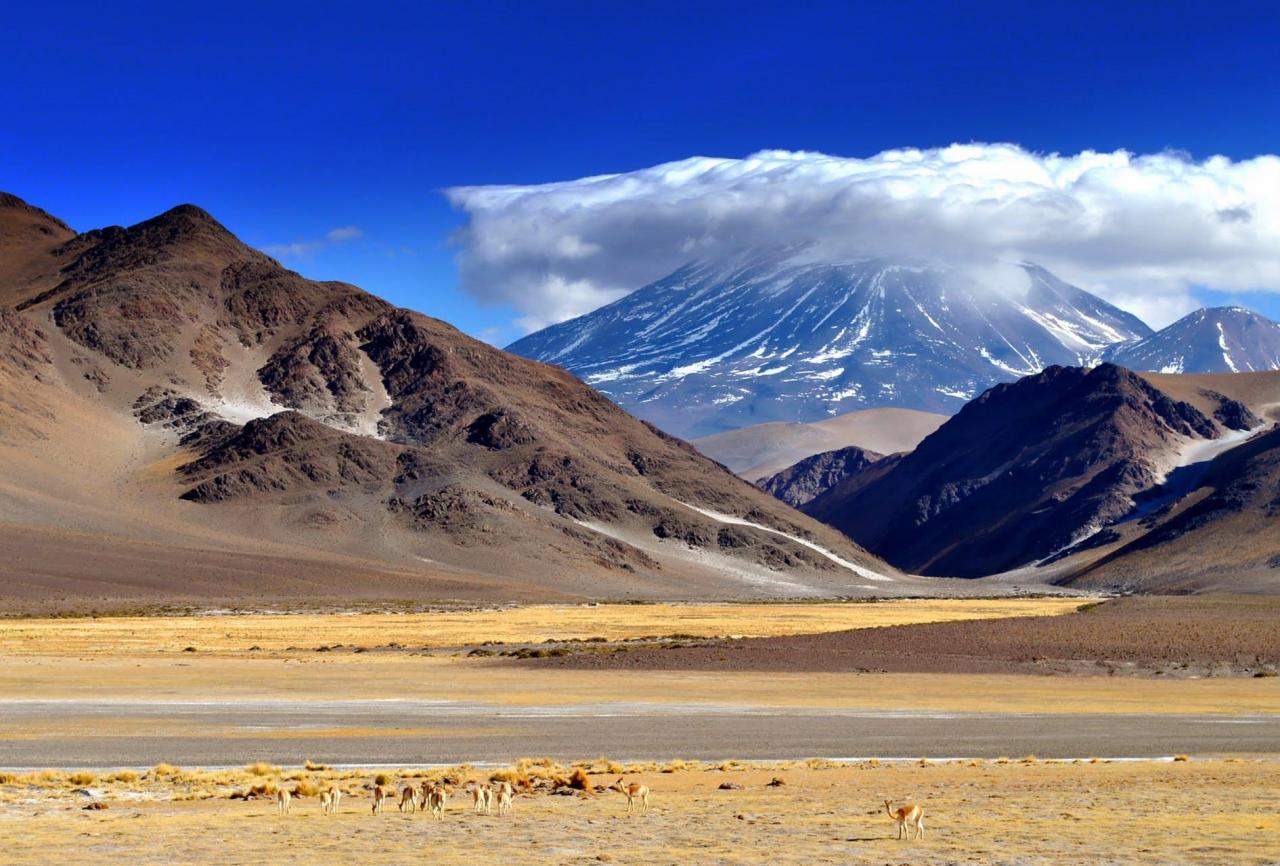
column 1217, row 340
column 788, row 336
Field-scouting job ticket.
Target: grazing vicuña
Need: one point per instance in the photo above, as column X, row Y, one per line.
column 909, row 815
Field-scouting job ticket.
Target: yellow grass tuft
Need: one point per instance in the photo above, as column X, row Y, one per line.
column 262, row 768
column 1029, row 759
column 821, row 764
column 580, row 780
column 82, row 778
column 164, row 770
column 7, row 778
column 1181, row 758
column 305, row 788
column 125, row 776
column 515, row 777
column 526, row 763
column 315, row 766
column 381, row 779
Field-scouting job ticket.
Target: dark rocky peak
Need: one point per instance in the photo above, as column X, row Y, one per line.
column 185, row 232
column 813, row 476
column 281, row 430
column 1232, row 414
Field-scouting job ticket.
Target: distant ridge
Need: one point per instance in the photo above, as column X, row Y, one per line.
column 763, row 449
column 1215, row 340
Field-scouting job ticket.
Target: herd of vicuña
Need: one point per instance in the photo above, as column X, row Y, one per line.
column 433, row 796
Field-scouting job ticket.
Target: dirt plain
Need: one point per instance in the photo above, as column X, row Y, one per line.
column 394, row 688
column 1178, row 636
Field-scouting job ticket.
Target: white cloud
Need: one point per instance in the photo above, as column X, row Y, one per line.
column 1142, row 231
column 302, row 249
column 344, row 233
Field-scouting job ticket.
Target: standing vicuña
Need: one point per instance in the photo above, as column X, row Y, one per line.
column 908, row 815
column 637, row 794
column 380, row 796
column 329, row 800
column 506, row 797
column 409, row 797
column 436, row 797
column 284, row 801
column 482, row 799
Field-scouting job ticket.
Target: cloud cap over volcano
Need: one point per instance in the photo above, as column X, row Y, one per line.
column 1139, row 230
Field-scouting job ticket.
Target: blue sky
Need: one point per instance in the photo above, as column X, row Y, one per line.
column 334, row 126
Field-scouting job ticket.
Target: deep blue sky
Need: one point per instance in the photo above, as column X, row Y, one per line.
column 289, row 120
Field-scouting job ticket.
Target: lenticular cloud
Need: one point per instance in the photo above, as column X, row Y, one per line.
column 1139, row 230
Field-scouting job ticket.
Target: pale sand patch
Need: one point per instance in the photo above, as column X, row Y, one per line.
column 1049, row 814
column 236, row 633
column 115, row 727
column 368, row 676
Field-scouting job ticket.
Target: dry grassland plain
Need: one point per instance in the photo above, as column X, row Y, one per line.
column 113, row 636
column 1211, row 809
column 1198, row 812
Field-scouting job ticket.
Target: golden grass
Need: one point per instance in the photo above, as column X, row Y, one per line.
column 1203, row 813
column 305, row 788
column 237, row 634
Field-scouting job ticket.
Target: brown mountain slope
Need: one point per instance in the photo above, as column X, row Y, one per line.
column 1223, row 534
column 1259, row 391
column 179, row 389
column 1024, row 470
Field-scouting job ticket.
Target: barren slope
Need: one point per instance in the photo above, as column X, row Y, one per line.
column 165, row 384
column 1222, row 535
column 763, row 449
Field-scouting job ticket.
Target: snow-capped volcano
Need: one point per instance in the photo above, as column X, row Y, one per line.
column 1216, row 340
column 788, row 336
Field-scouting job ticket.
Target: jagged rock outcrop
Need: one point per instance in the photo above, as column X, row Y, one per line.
column 814, row 476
